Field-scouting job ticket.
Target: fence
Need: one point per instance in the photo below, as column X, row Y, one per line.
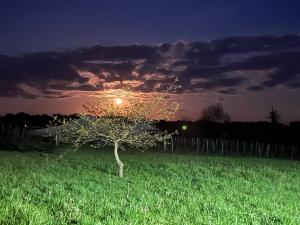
column 201, row 145
column 14, row 131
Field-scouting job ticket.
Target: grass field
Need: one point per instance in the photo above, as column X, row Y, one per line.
column 158, row 188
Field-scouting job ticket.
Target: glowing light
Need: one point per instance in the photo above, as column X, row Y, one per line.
column 184, row 127
column 119, row 101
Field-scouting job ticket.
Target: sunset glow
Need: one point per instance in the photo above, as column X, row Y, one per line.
column 248, row 69
column 119, row 101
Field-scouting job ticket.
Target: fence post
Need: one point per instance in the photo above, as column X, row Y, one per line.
column 206, row 146
column 222, row 149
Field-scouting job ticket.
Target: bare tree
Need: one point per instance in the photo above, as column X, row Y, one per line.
column 274, row 116
column 215, row 113
column 120, row 118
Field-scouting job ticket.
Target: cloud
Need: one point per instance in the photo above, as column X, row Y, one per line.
column 294, row 85
column 255, row 88
column 219, row 83
column 229, row 91
column 222, row 66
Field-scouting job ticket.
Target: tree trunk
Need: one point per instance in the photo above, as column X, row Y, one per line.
column 56, row 139
column 121, row 165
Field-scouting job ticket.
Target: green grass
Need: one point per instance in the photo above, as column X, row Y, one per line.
column 158, row 188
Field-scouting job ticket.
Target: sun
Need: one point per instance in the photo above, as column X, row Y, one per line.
column 119, row 101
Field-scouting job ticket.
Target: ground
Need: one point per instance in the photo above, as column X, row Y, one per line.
column 158, row 188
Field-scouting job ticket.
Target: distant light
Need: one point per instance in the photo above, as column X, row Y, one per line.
column 25, row 125
column 119, row 101
column 184, row 127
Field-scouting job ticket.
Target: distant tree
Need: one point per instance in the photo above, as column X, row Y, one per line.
column 274, row 116
column 118, row 118
column 215, row 113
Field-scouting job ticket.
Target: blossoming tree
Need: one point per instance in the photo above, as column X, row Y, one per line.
column 121, row 118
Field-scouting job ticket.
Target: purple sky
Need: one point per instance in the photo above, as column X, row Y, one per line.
column 55, row 55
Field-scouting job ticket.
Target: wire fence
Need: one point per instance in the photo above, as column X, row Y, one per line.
column 183, row 144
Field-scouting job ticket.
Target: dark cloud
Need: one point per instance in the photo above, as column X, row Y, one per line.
column 255, row 88
column 218, row 83
column 294, row 85
column 229, row 91
column 219, row 65
column 289, row 69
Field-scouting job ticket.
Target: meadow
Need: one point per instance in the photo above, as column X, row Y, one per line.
column 158, row 188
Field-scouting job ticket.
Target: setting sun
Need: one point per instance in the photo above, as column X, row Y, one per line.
column 119, row 101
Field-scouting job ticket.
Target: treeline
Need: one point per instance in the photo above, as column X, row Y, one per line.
column 244, row 131
column 18, row 124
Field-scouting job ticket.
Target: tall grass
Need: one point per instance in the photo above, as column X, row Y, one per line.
column 158, row 188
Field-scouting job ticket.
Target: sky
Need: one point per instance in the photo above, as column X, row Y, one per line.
column 55, row 55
